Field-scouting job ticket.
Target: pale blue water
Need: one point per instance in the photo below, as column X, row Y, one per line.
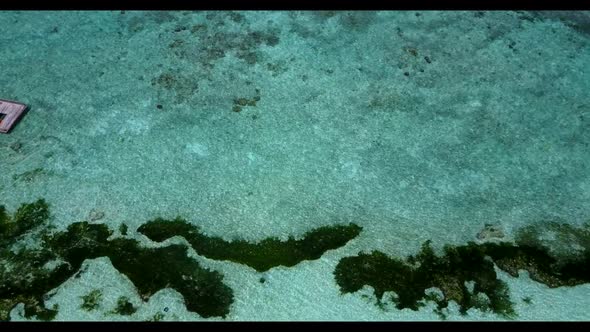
column 414, row 125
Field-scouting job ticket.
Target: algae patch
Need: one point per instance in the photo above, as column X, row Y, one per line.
column 33, row 278
column 261, row 256
column 410, row 279
column 150, row 269
column 553, row 253
column 59, row 256
column 91, row 300
column 124, row 306
column 26, row 217
column 461, row 266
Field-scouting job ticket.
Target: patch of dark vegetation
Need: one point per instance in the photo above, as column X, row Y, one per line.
column 5, row 222
column 464, row 274
column 471, row 263
column 26, row 217
column 150, row 269
column 91, row 301
column 123, row 229
column 410, row 278
column 554, row 253
column 560, row 238
column 61, row 254
column 34, row 278
column 125, row 307
column 537, row 262
column 261, row 256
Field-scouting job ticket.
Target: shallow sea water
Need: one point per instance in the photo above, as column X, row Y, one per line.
column 413, row 125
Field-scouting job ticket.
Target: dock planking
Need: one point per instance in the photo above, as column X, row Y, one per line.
column 10, row 113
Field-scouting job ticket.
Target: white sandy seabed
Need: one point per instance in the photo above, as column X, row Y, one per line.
column 415, row 126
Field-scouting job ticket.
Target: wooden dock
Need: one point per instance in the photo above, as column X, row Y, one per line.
column 10, row 113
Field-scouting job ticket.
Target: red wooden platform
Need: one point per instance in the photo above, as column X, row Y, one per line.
column 10, row 113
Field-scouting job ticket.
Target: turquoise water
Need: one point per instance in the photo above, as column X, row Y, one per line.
column 415, row 126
